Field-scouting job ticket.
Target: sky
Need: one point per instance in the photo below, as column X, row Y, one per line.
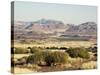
column 73, row 14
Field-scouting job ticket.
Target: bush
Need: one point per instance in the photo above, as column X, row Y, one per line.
column 93, row 49
column 56, row 58
column 35, row 49
column 73, row 52
column 63, row 48
column 78, row 52
column 36, row 58
column 84, row 53
column 20, row 50
column 52, row 47
column 49, row 58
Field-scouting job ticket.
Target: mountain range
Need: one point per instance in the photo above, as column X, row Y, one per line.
column 52, row 28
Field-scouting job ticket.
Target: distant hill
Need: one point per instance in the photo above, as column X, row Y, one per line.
column 47, row 26
column 44, row 28
column 89, row 28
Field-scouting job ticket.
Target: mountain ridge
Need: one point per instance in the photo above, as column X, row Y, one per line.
column 48, row 27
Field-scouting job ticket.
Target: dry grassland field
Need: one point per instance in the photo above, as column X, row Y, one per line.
column 57, row 44
column 76, row 63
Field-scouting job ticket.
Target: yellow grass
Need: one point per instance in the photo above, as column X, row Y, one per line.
column 17, row 56
column 71, row 61
column 58, row 44
column 18, row 70
column 89, row 65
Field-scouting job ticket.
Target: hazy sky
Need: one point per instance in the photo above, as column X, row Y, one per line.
column 74, row 14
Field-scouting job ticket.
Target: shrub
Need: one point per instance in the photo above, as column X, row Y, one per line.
column 36, row 58
column 29, row 48
column 95, row 54
column 35, row 49
column 63, row 48
column 20, row 50
column 52, row 47
column 56, row 58
column 93, row 49
column 78, row 52
column 73, row 52
column 50, row 58
column 84, row 53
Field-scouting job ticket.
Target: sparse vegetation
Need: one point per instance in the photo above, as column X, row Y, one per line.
column 19, row 50
column 50, row 58
column 78, row 52
column 35, row 49
column 37, row 57
column 53, row 47
column 55, row 58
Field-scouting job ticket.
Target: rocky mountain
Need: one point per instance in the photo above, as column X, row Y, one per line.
column 89, row 28
column 47, row 28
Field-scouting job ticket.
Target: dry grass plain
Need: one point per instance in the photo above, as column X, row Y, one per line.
column 57, row 44
column 72, row 62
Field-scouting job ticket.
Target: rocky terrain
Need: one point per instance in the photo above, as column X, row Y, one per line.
column 45, row 28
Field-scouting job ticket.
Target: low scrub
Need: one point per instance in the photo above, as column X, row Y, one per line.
column 35, row 49
column 36, row 58
column 49, row 58
column 78, row 52
column 52, row 47
column 55, row 58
